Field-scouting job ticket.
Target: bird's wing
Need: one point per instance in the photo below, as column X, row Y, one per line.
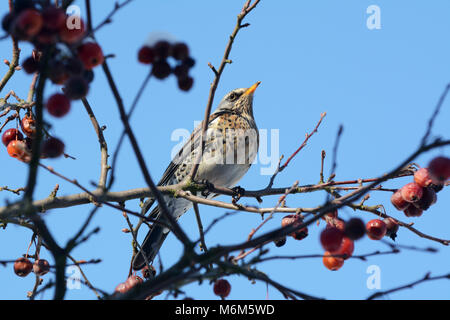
column 186, row 151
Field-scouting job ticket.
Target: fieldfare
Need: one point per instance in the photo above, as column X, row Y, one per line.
column 231, row 145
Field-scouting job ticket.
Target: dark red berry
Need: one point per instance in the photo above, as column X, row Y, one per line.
column 146, row 55
column 57, row 72
column 355, row 229
column 74, row 66
column 58, row 105
column 161, row 69
column 181, row 71
column 331, row 239
column 189, row 62
column 376, row 229
column 422, row 177
column 440, row 169
column 88, row 75
column 162, row 49
column 53, row 148
column 429, row 198
column 41, row 267
column 76, row 88
column 185, row 84
column 75, row 33
column 331, row 262
column 28, row 23
column 222, row 288
column 391, row 227
column 10, row 135
column 398, row 202
column 23, row 267
column 180, row 51
column 54, row 18
column 280, row 242
column 411, row 192
column 7, row 22
column 413, row 211
column 91, row 54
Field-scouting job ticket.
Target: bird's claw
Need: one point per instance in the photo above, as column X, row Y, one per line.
column 238, row 193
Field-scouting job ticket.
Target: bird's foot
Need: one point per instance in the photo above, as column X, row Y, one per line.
column 208, row 187
column 238, row 193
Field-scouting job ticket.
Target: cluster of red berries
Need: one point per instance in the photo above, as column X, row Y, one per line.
column 416, row 197
column 294, row 220
column 23, row 267
column 158, row 54
column 49, row 28
column 20, row 147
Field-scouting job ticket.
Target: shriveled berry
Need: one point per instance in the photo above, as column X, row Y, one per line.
column 185, row 84
column 28, row 23
column 355, row 229
column 413, row 211
column 411, row 192
column 162, row 49
column 28, row 125
column 58, row 105
column 41, row 267
column 122, row 288
column 280, row 242
column 422, row 177
column 53, row 148
column 91, row 54
column 398, row 202
column 332, row 263
column 440, row 169
column 74, row 32
column 376, row 229
column 161, row 69
column 54, row 18
column 429, row 198
column 134, row 281
column 76, row 88
column 331, row 239
column 295, row 221
column 146, row 55
column 148, row 273
column 23, row 267
column 180, row 51
column 336, row 223
column 391, row 227
column 222, row 288
column 10, row 135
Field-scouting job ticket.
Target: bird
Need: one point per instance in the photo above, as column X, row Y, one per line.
column 231, row 146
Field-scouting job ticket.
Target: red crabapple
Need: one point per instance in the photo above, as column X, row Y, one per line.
column 23, row 267
column 10, row 135
column 411, row 192
column 332, row 263
column 331, row 238
column 376, row 229
column 222, row 288
column 91, row 54
column 440, row 169
column 398, row 202
column 58, row 105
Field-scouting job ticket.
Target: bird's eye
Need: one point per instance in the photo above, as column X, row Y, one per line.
column 233, row 96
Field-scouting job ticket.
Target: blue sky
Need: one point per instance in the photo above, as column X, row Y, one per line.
column 311, row 57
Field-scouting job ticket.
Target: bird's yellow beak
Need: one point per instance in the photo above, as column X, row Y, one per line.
column 252, row 89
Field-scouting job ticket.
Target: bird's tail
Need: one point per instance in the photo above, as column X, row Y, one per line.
column 152, row 242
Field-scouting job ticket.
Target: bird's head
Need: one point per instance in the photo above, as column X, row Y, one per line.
column 239, row 100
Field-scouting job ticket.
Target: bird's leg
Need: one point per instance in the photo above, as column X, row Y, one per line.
column 209, row 186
